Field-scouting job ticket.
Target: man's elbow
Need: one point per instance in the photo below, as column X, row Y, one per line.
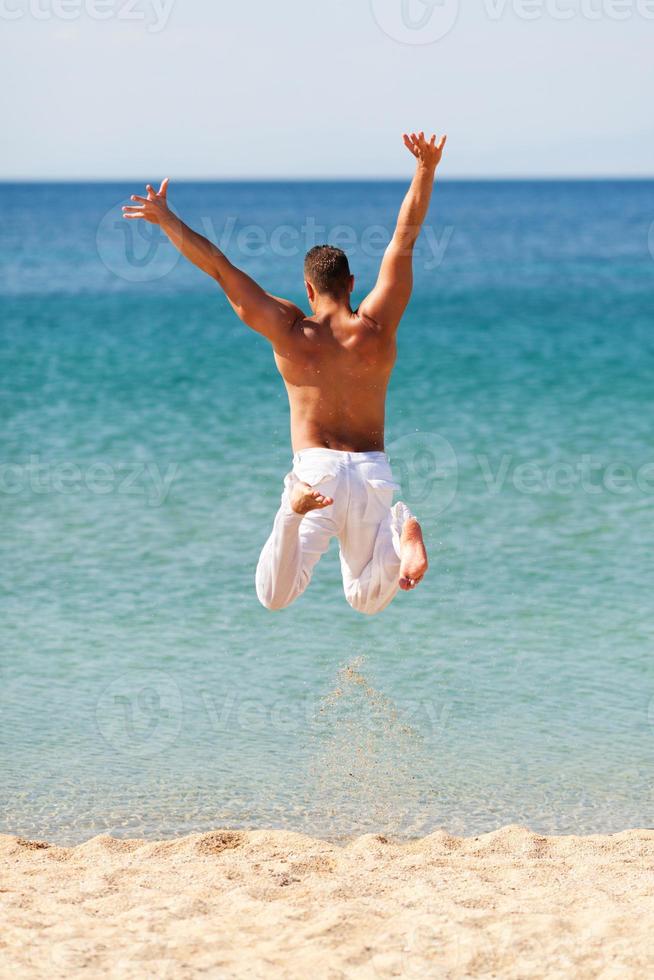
column 404, row 240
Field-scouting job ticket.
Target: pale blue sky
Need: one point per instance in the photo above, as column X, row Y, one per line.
column 324, row 88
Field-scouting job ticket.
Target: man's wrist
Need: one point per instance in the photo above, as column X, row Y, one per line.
column 169, row 220
column 428, row 169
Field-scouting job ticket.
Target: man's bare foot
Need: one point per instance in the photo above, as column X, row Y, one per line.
column 304, row 498
column 413, row 556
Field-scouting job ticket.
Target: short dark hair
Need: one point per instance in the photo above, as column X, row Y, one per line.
column 328, row 270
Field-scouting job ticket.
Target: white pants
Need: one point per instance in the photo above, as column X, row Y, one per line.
column 363, row 519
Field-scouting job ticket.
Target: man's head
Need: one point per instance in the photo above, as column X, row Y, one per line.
column 327, row 274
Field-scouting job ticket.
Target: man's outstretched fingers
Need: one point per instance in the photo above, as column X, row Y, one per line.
column 409, row 145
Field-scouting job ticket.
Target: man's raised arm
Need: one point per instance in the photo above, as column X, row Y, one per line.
column 266, row 314
column 388, row 300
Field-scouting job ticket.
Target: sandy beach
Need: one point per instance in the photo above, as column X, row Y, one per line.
column 276, row 904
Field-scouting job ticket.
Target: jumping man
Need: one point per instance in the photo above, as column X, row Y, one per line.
column 336, row 365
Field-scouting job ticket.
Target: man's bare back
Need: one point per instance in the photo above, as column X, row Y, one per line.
column 336, row 368
column 336, row 363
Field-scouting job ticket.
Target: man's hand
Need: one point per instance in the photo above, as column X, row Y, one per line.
column 427, row 153
column 153, row 208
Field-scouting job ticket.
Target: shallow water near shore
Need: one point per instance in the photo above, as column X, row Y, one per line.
column 144, row 691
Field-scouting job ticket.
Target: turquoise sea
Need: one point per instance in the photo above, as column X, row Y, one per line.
column 143, row 443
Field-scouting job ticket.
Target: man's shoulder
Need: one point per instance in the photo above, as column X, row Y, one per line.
column 292, row 312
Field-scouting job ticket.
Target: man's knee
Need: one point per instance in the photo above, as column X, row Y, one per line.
column 272, row 604
column 366, row 604
column 272, row 596
column 271, row 600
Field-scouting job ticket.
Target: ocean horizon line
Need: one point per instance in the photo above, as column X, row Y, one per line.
column 552, row 179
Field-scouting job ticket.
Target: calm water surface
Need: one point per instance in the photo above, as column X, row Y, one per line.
column 143, row 443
